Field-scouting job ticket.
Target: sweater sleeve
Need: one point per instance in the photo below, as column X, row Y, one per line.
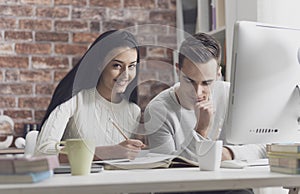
column 248, row 152
column 159, row 135
column 54, row 127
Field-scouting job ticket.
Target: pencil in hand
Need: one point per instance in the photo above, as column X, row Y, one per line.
column 118, row 128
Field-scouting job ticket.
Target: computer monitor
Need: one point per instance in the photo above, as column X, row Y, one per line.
column 264, row 99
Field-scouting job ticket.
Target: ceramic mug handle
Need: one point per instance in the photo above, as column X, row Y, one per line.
column 61, row 149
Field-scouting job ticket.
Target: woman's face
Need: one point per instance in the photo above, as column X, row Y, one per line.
column 119, row 72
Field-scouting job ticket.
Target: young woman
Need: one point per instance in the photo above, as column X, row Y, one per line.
column 98, row 90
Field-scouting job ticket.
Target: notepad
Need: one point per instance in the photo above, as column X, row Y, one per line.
column 150, row 161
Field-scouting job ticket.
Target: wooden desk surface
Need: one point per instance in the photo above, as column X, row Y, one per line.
column 12, row 151
column 138, row 181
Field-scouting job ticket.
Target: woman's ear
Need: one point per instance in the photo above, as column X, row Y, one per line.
column 219, row 72
column 177, row 68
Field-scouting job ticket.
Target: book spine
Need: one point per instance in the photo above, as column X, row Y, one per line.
column 39, row 176
column 285, row 162
column 283, row 148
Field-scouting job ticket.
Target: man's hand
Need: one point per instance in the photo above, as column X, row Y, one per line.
column 227, row 154
column 204, row 114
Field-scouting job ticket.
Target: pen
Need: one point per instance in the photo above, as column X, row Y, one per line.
column 118, row 128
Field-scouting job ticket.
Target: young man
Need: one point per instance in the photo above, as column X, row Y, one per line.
column 194, row 109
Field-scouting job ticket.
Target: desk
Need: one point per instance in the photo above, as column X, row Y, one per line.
column 156, row 180
column 12, row 151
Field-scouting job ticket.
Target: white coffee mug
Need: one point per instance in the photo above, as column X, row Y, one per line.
column 209, row 154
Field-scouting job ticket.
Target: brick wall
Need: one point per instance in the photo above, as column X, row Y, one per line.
column 40, row 40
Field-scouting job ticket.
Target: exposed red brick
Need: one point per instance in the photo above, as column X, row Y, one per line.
column 143, row 51
column 13, row 62
column 68, row 49
column 79, row 3
column 16, row 89
column 167, row 41
column 75, row 60
column 172, row 5
column 50, row 63
column 16, row 10
column 1, row 76
column 167, row 77
column 163, row 17
column 18, row 35
column 116, row 14
column 51, row 36
column 39, row 115
column 40, row 37
column 44, row 89
column 146, row 76
column 89, row 13
column 36, row 103
column 19, row 128
column 11, row 75
column 145, row 40
column 36, row 25
column 149, row 4
column 19, row 114
column 156, row 51
column 59, row 75
column 71, row 26
column 35, row 76
column 38, row 2
column 7, row 102
column 163, row 4
column 170, row 53
column 85, row 37
column 152, row 29
column 52, row 12
column 137, row 15
column 6, row 49
column 8, row 23
column 159, row 64
column 116, row 24
column 106, row 3
column 28, row 48
column 95, row 26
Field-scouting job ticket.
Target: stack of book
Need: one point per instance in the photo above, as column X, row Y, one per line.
column 284, row 158
column 26, row 170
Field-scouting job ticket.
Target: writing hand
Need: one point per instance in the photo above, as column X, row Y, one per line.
column 131, row 147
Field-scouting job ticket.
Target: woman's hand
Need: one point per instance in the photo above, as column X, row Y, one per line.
column 126, row 149
column 131, row 148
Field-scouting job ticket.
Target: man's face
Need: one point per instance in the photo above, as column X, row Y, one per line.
column 196, row 81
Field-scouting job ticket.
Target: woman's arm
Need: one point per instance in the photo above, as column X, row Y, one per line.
column 54, row 128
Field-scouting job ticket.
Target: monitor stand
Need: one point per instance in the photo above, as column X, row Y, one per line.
column 298, row 88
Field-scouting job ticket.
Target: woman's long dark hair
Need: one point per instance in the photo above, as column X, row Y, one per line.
column 87, row 71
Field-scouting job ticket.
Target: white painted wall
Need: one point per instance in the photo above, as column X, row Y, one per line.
column 278, row 12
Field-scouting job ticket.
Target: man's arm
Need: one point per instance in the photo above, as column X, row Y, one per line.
column 158, row 130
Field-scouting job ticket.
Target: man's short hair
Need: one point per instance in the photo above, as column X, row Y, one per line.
column 200, row 48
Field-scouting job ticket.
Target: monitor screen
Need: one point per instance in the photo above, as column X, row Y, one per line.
column 264, row 101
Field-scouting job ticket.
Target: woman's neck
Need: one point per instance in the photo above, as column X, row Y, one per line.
column 108, row 94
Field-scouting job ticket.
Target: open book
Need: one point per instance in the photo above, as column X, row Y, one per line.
column 148, row 161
